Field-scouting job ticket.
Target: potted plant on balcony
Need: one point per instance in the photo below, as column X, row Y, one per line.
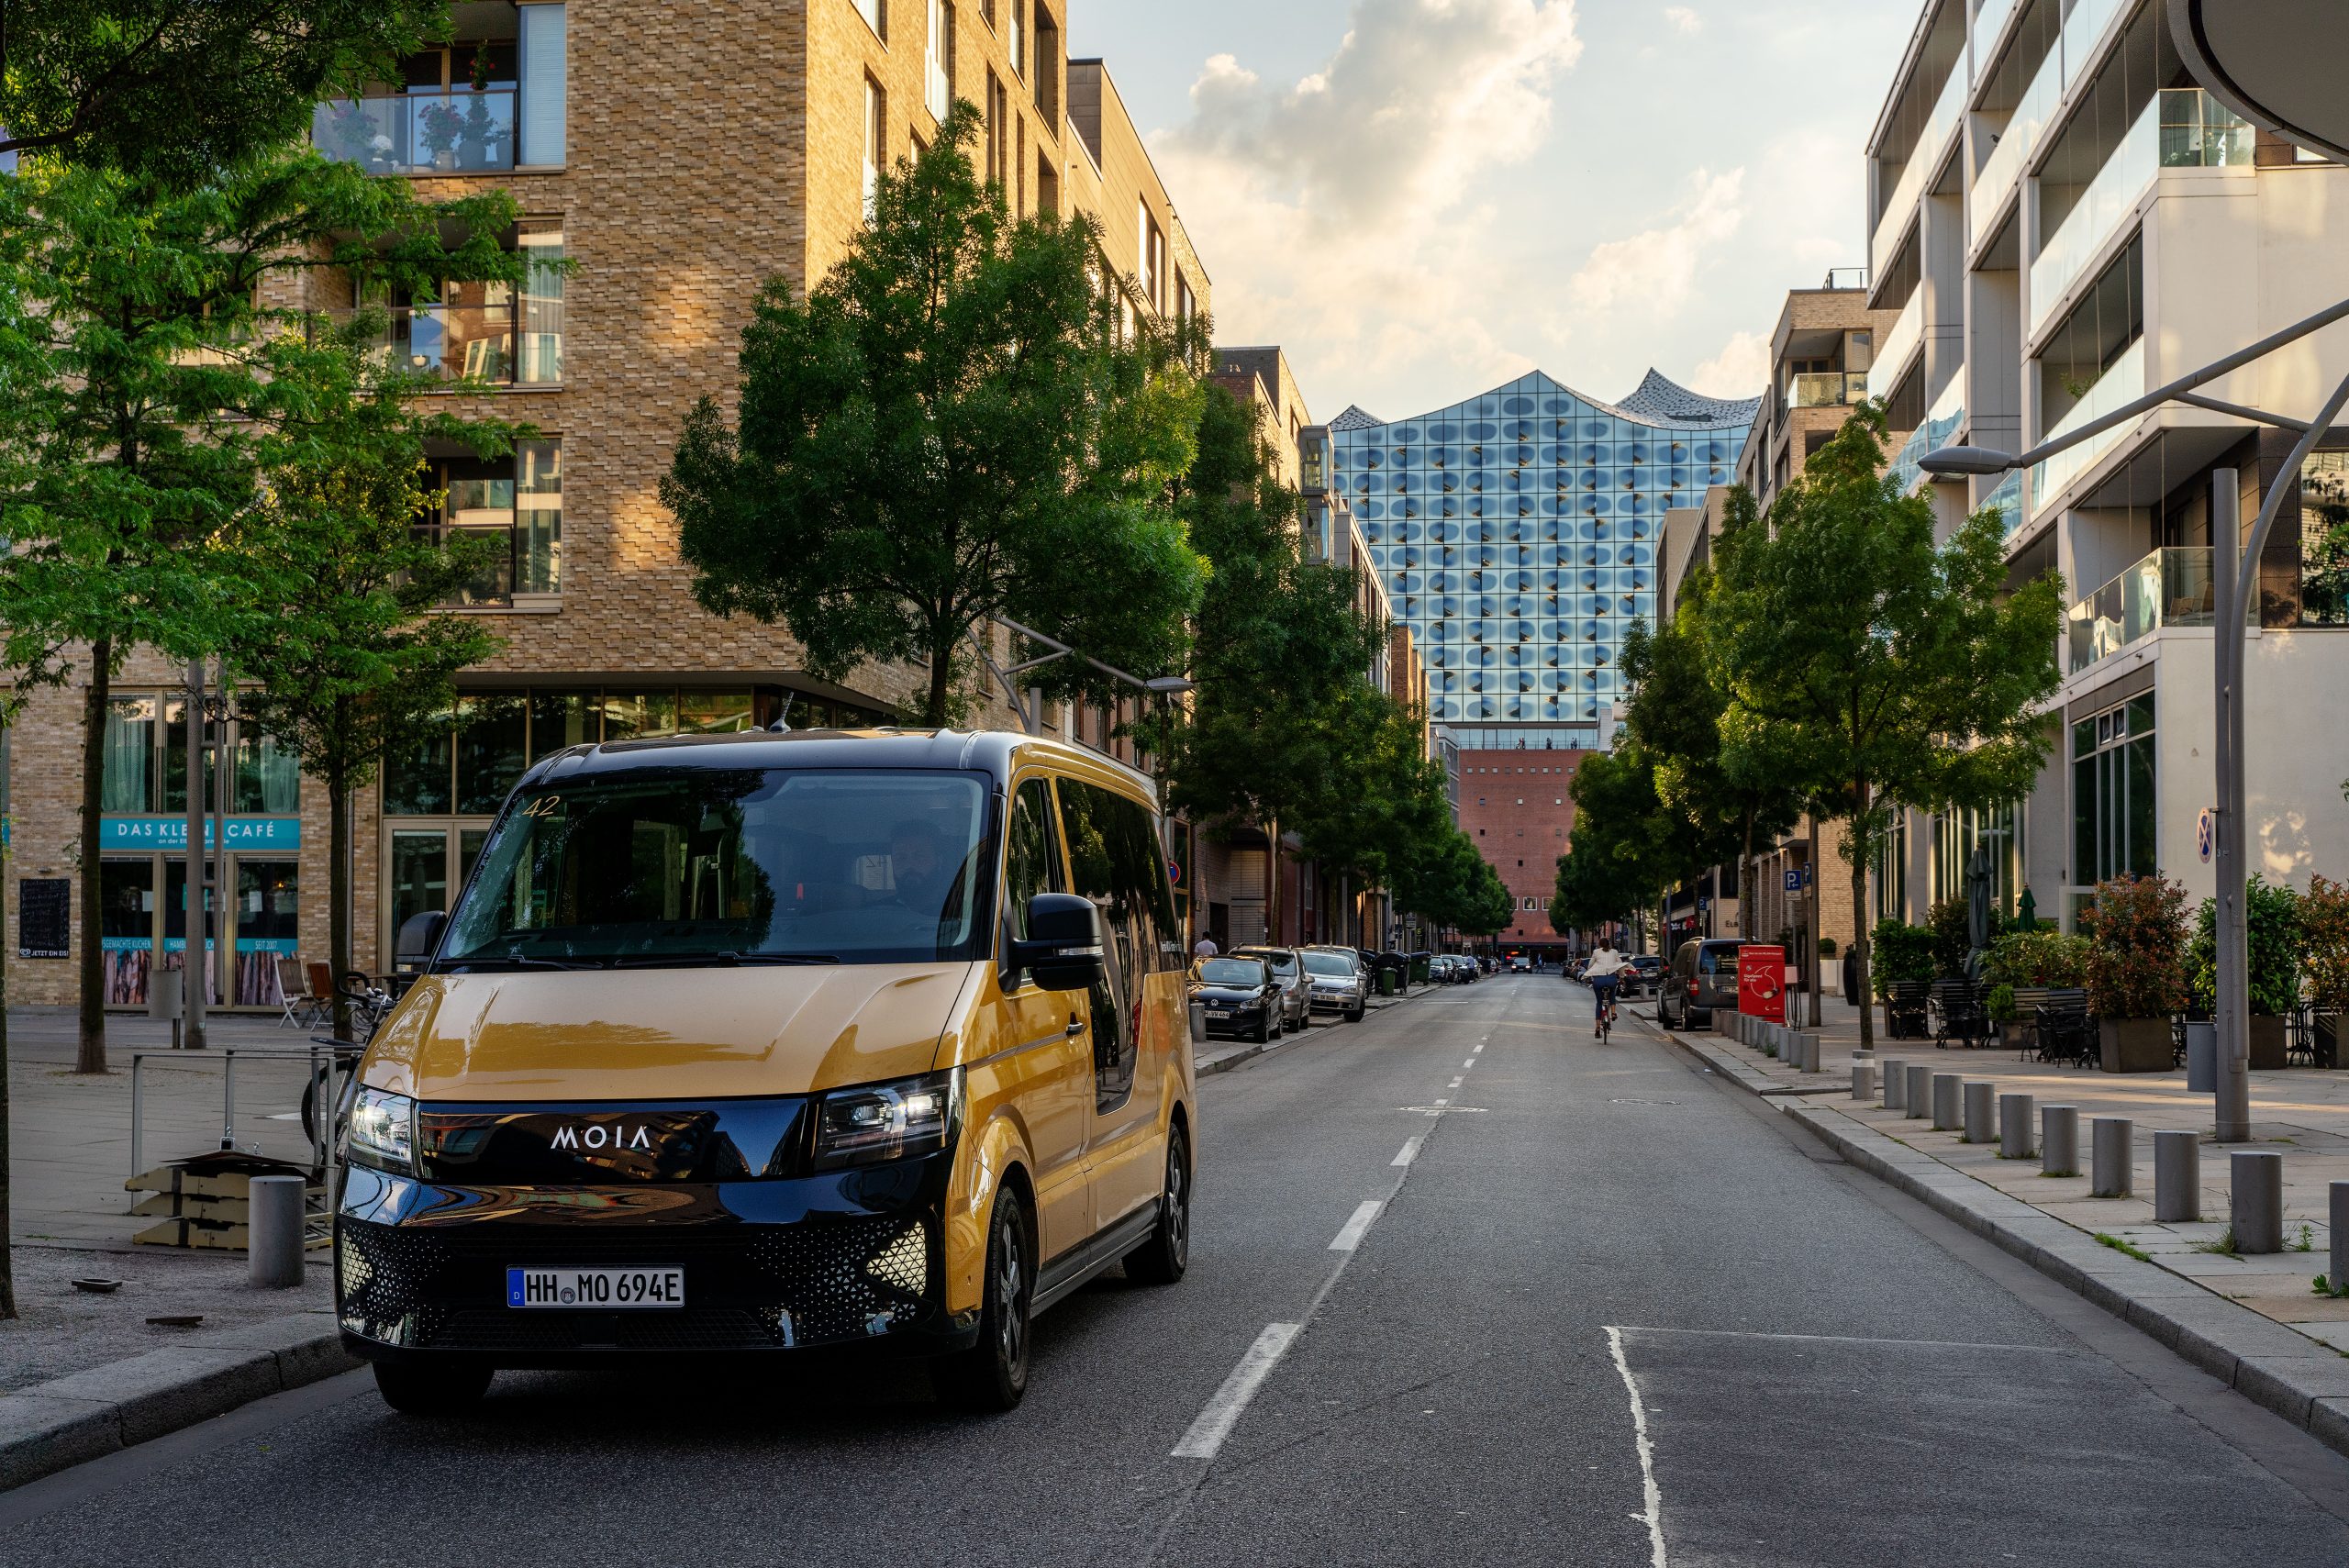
column 2136, row 970
column 2272, row 933
column 2324, row 953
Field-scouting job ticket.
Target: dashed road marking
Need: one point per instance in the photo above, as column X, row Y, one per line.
column 1453, row 1085
column 1222, row 1411
column 1349, row 1235
column 1467, row 1065
column 1410, row 1149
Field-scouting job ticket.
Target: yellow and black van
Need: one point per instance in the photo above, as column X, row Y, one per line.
column 774, row 1042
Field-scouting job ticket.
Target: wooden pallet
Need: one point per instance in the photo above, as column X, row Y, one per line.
column 205, row 1201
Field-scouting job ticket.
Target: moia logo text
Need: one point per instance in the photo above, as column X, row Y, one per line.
column 597, row 1135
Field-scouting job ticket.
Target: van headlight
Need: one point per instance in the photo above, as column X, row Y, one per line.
column 382, row 1132
column 889, row 1121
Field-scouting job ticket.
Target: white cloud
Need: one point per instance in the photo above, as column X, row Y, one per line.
column 1656, row 268
column 1685, row 22
column 1740, row 370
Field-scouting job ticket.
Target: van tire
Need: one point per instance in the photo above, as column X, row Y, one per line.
column 1166, row 1254
column 992, row 1375
column 432, row 1390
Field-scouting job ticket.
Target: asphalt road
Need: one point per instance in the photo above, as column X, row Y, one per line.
column 1466, row 1287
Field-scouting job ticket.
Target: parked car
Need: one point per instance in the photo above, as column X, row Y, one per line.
column 1297, row 986
column 1646, row 976
column 1341, row 983
column 1703, row 976
column 1243, row 998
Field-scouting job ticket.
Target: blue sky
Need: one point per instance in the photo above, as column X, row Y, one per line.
column 1421, row 198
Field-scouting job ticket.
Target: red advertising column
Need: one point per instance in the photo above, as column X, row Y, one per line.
column 1762, row 982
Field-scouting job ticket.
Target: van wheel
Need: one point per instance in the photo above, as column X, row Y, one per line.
column 992, row 1375
column 450, row 1390
column 1162, row 1258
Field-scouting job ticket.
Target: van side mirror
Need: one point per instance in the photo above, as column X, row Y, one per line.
column 420, row 938
column 1063, row 948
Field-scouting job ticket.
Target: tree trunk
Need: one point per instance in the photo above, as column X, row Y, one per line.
column 1745, row 883
column 90, row 1056
column 7, row 1269
column 941, row 678
column 1865, row 998
column 338, row 895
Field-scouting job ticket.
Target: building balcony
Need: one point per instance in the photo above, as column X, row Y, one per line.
column 503, row 344
column 1826, row 389
column 2123, row 382
column 2033, row 113
column 1941, row 422
column 1926, row 156
column 466, row 131
column 1899, row 350
column 2168, row 587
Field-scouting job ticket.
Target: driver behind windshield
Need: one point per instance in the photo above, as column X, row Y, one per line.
column 917, row 867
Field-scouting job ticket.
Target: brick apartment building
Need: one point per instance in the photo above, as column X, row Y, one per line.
column 677, row 157
column 1515, row 805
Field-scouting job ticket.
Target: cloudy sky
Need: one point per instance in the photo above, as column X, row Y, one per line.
column 1421, row 198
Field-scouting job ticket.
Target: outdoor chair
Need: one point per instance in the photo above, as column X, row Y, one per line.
column 1957, row 1013
column 2066, row 1033
column 303, row 1007
column 1904, row 1009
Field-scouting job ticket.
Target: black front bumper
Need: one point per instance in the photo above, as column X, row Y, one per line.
column 850, row 1260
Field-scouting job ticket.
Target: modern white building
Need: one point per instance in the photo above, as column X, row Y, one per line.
column 2063, row 222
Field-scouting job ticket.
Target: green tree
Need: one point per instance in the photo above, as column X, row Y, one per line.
column 955, row 423
column 177, row 90
column 142, row 406
column 349, row 658
column 1892, row 671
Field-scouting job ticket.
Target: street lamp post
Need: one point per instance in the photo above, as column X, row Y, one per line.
column 2234, row 579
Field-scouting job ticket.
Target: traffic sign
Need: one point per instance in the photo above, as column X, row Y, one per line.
column 1174, row 872
column 2204, row 827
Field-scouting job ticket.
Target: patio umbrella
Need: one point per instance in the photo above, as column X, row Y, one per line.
column 1977, row 908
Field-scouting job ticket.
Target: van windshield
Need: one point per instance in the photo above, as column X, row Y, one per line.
column 694, row 865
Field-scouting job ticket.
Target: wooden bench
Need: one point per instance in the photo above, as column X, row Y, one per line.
column 1904, row 1008
column 1958, row 1013
column 2031, row 1001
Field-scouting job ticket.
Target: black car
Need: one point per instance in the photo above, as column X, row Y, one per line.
column 1646, row 974
column 1242, row 997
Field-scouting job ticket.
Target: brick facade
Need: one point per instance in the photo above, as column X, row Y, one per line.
column 1514, row 805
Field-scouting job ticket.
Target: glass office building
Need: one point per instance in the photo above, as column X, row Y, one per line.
column 1518, row 531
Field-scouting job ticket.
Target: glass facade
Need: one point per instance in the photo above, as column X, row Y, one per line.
column 2113, row 818
column 1517, row 533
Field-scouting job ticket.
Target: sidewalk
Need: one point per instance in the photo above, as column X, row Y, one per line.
column 2256, row 1320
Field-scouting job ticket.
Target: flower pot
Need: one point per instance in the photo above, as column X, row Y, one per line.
column 2267, row 1043
column 2135, row 1045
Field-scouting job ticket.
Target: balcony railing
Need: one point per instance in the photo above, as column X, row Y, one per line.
column 2082, row 30
column 1988, row 23
column 2122, row 384
column 508, row 342
column 1892, row 355
column 456, row 132
column 2032, row 114
column 1826, row 389
column 1942, row 421
column 2007, row 501
column 1932, row 142
column 2168, row 587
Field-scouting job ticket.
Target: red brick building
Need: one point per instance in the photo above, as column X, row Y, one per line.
column 1514, row 804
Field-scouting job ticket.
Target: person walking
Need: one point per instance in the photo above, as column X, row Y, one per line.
column 1606, row 964
column 1205, row 948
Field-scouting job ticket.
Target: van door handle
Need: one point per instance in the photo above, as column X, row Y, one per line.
column 1076, row 1027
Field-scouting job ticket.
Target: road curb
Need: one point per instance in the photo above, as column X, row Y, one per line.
column 1231, row 1059
column 70, row 1420
column 2299, row 1378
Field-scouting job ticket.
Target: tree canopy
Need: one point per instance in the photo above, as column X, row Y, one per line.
column 957, row 422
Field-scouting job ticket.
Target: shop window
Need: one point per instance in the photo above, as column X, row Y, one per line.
column 268, row 776
column 2113, row 794
column 714, row 713
column 492, row 749
column 129, row 785
column 630, row 716
column 564, row 719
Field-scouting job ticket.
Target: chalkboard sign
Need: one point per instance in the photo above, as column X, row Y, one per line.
column 44, row 918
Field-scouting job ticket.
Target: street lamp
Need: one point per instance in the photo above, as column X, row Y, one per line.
column 2234, row 576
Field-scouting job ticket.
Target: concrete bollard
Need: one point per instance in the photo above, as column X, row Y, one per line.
column 1896, row 1083
column 1918, row 1099
column 2178, row 1176
column 275, row 1205
column 1199, row 1023
column 1948, row 1111
column 1981, row 1111
column 1864, row 1079
column 2014, row 1127
column 2256, row 1199
column 2059, row 1141
column 2337, row 1214
column 2113, row 1150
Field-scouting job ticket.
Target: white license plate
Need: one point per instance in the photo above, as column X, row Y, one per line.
column 601, row 1290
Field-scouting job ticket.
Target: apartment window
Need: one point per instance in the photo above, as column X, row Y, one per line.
column 1048, row 67
column 876, row 16
column 937, row 59
column 1016, row 43
column 515, row 501
column 1187, row 304
column 494, row 97
column 2324, row 539
column 994, row 110
column 2113, row 795
column 1151, row 269
column 987, row 13
column 876, row 131
column 1019, row 165
column 1048, row 183
column 487, row 331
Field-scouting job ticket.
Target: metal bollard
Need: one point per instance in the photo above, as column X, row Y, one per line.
column 1981, row 1111
column 1896, row 1083
column 2014, row 1127
column 274, row 1203
column 1918, row 1097
column 2113, row 1150
column 1947, row 1110
column 1864, row 1079
column 2178, row 1176
column 2256, row 1199
column 2059, row 1141
column 2337, row 1214
column 1199, row 1023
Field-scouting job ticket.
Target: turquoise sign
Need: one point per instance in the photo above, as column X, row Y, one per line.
column 241, row 834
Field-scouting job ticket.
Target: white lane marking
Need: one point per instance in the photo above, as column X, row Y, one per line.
column 1480, row 1048
column 1467, row 1065
column 1441, row 1101
column 1652, row 1498
column 1222, row 1412
column 1453, row 1085
column 1356, row 1228
column 1410, row 1149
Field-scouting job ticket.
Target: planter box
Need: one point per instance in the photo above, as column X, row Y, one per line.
column 2135, row 1045
column 2267, row 1043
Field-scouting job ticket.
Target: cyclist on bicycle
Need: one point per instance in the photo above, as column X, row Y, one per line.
column 1606, row 965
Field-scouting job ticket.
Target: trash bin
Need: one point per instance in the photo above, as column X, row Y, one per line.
column 1420, row 967
column 2201, row 1058
column 1386, row 981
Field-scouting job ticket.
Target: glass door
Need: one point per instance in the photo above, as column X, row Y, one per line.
column 268, row 902
column 127, row 927
column 176, row 923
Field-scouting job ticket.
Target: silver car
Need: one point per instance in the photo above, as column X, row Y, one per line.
column 1340, row 984
column 1289, row 973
